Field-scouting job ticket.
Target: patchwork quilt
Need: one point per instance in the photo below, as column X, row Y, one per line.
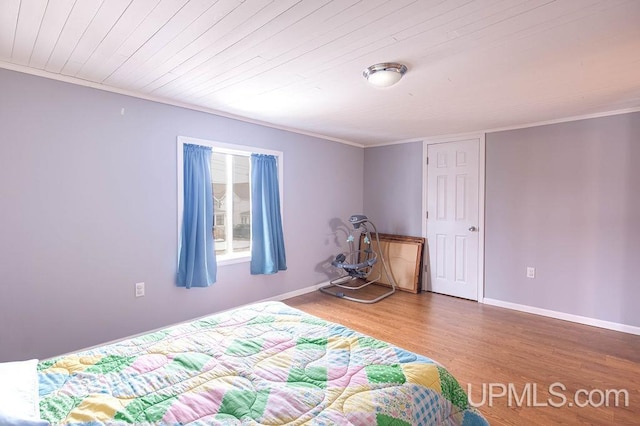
column 264, row 364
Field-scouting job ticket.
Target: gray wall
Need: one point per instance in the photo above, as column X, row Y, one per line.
column 393, row 188
column 564, row 199
column 88, row 208
column 561, row 198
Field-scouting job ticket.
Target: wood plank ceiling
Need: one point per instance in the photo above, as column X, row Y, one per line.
column 473, row 65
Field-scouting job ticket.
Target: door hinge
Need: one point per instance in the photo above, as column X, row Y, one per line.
column 427, row 161
column 427, row 215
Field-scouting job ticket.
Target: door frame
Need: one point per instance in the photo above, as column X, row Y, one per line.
column 481, row 199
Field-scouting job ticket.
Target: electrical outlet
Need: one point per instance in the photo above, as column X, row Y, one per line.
column 139, row 289
column 531, row 272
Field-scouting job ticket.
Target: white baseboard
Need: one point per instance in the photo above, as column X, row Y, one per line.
column 294, row 293
column 277, row 298
column 565, row 316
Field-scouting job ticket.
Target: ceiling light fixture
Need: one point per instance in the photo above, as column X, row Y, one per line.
column 385, row 74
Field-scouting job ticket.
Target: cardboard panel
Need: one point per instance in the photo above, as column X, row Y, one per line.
column 403, row 255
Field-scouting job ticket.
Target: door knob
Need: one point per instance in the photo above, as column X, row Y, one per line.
column 473, row 229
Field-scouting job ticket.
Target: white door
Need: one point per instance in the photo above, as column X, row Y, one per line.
column 452, row 217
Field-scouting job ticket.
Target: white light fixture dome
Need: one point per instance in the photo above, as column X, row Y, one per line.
column 385, row 74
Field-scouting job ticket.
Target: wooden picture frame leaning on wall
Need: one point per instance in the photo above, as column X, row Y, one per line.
column 404, row 259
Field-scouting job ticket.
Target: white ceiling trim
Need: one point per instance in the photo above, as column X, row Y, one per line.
column 403, row 141
column 90, row 84
column 451, row 137
column 440, row 138
column 566, row 119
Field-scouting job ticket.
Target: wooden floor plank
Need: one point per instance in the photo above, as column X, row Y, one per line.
column 487, row 346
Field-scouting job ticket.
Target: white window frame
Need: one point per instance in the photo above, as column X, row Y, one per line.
column 228, row 149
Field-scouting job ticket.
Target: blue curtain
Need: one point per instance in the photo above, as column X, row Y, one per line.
column 267, row 244
column 197, row 262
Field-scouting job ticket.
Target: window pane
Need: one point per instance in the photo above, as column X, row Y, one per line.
column 219, row 183
column 241, row 204
column 231, row 198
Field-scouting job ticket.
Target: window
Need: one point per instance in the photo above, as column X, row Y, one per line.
column 230, row 176
column 231, row 184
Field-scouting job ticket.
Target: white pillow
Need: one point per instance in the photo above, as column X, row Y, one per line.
column 19, row 396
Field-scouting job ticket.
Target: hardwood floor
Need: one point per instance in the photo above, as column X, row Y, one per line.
column 499, row 348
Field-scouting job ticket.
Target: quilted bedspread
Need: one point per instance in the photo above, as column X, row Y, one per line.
column 262, row 364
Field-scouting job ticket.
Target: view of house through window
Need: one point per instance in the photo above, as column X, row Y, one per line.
column 231, row 186
column 230, row 177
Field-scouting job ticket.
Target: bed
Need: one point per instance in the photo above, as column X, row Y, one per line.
column 266, row 364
